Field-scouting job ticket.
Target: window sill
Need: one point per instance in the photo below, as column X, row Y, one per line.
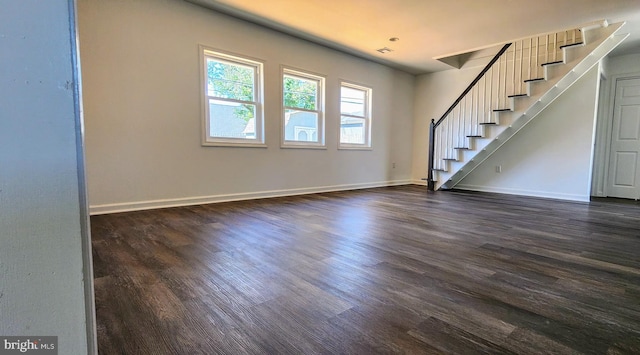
column 237, row 145
column 302, row 146
column 354, row 147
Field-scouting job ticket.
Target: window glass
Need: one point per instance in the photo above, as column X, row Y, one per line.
column 302, row 109
column 233, row 107
column 355, row 118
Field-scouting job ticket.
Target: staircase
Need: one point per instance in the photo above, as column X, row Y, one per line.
column 517, row 84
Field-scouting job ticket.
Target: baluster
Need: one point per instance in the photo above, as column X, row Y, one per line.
column 471, row 115
column 474, row 126
column 440, row 155
column 515, row 49
column 448, row 142
column 464, row 109
column 445, row 134
column 520, row 67
column 450, row 135
column 472, row 100
column 467, row 118
column 488, row 97
column 496, row 86
column 476, row 109
column 490, row 91
column 555, row 47
column 546, row 50
column 437, row 147
column 502, row 84
column 443, row 143
column 481, row 106
column 442, row 138
column 445, row 152
column 459, row 122
column 462, row 120
column 504, row 94
column 454, row 134
column 521, row 72
column 537, row 64
column 474, row 113
column 530, row 61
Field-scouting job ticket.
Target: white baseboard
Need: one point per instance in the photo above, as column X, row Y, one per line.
column 419, row 182
column 200, row 200
column 521, row 192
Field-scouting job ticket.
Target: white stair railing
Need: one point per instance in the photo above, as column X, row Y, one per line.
column 507, row 76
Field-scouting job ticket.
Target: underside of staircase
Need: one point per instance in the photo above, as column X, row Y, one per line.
column 520, row 82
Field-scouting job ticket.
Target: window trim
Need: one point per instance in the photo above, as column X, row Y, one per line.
column 367, row 145
column 258, row 65
column 320, row 106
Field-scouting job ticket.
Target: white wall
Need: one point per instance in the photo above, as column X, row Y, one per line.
column 142, row 111
column 42, row 216
column 552, row 155
column 624, row 64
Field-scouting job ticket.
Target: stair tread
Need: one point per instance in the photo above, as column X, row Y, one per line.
column 534, row 79
column 553, row 63
column 572, row 44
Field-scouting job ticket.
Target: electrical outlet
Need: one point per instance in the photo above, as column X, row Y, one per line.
column 498, row 168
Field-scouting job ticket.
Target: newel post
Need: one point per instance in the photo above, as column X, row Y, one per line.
column 432, row 139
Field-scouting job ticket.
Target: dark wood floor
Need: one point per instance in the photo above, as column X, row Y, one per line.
column 389, row 270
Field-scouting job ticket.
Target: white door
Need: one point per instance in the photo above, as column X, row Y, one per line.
column 624, row 161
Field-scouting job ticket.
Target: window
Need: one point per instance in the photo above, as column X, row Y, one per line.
column 355, row 116
column 302, row 109
column 232, row 100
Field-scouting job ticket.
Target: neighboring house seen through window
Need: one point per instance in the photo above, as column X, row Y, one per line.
column 355, row 116
column 233, row 100
column 303, row 109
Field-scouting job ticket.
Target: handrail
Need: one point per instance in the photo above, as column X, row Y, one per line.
column 474, row 82
column 432, row 127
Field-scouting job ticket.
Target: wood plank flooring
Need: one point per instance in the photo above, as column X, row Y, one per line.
column 378, row 271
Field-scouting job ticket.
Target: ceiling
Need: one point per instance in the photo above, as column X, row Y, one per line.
column 428, row 29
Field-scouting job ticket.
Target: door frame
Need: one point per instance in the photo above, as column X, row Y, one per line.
column 604, row 131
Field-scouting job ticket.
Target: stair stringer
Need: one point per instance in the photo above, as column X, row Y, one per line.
column 578, row 60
